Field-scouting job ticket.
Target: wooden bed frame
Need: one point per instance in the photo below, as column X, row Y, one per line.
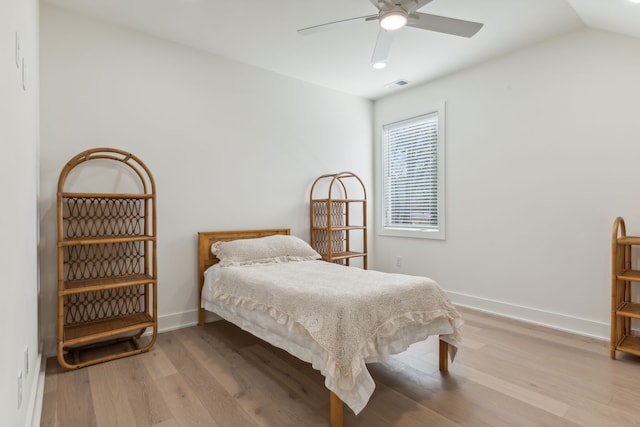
column 206, row 259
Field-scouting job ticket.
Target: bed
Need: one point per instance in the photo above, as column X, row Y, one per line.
column 335, row 317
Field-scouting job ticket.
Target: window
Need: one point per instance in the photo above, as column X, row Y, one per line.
column 413, row 177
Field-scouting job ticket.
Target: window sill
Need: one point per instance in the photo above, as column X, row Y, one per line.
column 417, row 233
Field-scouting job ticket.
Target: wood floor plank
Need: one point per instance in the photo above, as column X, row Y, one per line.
column 142, row 391
column 220, row 364
column 515, row 391
column 589, row 413
column 184, row 404
column 158, row 365
column 221, row 406
column 460, row 399
column 556, row 379
column 111, row 404
column 310, row 389
column 398, row 409
column 258, row 395
column 49, row 413
column 74, row 401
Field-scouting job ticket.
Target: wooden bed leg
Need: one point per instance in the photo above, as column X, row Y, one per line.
column 201, row 316
column 335, row 410
column 444, row 356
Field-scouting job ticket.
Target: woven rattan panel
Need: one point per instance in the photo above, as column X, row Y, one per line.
column 337, row 212
column 338, row 241
column 338, row 237
column 98, row 305
column 89, row 217
column 102, row 216
column 84, row 262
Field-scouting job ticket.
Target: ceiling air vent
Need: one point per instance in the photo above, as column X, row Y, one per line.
column 397, row 83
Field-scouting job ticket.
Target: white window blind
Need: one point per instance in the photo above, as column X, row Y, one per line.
column 411, row 187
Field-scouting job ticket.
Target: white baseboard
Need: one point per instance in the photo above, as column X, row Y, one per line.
column 170, row 322
column 175, row 321
column 34, row 410
column 585, row 327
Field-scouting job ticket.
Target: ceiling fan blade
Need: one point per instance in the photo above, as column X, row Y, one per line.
column 442, row 24
column 331, row 25
column 383, row 46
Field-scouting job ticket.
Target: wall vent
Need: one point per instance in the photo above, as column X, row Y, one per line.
column 398, row 83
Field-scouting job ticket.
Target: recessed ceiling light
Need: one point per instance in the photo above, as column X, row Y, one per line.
column 635, row 1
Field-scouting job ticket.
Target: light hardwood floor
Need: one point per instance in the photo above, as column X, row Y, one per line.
column 505, row 374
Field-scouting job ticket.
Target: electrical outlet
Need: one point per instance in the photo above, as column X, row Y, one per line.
column 19, row 389
column 398, row 261
column 26, row 361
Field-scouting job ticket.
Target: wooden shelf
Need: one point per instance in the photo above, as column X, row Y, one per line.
column 106, row 196
column 629, row 240
column 103, row 240
column 335, row 222
column 628, row 309
column 342, row 255
column 629, row 275
column 106, row 328
column 109, row 237
column 340, row 200
column 629, row 344
column 623, row 278
column 341, row 227
column 92, row 285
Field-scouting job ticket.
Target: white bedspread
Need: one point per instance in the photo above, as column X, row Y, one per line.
column 349, row 315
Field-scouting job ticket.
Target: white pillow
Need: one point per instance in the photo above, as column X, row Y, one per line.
column 276, row 248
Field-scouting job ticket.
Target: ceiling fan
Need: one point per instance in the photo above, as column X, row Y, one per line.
column 395, row 14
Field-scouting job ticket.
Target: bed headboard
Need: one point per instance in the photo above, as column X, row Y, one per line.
column 206, row 259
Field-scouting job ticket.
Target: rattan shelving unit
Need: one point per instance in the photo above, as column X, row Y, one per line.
column 107, row 273
column 623, row 276
column 338, row 204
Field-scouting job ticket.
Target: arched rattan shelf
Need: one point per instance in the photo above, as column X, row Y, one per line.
column 107, row 272
column 625, row 275
column 338, row 204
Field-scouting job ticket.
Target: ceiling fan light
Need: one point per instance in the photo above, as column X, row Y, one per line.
column 393, row 20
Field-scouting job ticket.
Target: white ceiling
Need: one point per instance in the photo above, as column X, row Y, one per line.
column 263, row 33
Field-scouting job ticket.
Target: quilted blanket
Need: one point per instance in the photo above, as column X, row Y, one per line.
column 352, row 314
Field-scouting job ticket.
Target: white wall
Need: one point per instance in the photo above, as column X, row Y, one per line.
column 230, row 146
column 19, row 116
column 542, row 153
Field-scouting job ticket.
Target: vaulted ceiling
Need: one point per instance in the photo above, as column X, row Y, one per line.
column 264, row 34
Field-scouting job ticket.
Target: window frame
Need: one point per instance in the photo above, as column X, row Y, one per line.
column 438, row 232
